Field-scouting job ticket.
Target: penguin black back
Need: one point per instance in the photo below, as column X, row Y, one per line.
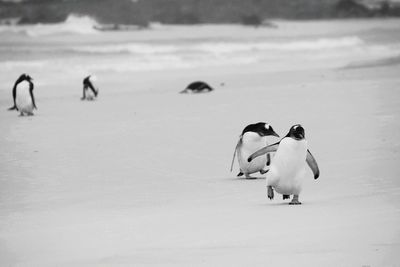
column 198, row 87
column 262, row 128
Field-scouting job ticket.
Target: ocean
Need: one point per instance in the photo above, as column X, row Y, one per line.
column 77, row 48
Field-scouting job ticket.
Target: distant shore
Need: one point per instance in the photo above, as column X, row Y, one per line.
column 141, row 13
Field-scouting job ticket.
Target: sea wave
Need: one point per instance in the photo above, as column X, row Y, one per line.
column 21, row 64
column 215, row 47
column 127, row 48
column 74, row 24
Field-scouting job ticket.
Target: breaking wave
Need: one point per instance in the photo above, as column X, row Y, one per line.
column 223, row 47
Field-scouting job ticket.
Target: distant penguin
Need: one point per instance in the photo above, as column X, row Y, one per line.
column 24, row 100
column 253, row 138
column 89, row 91
column 288, row 165
column 197, row 87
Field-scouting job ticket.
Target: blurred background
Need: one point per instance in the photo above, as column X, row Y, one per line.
column 142, row 12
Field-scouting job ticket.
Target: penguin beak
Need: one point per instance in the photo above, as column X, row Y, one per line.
column 275, row 134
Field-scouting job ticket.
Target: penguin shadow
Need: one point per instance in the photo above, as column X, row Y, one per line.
column 29, row 115
column 89, row 99
column 280, row 202
column 255, row 178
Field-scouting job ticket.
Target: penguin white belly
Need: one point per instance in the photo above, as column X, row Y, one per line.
column 251, row 142
column 89, row 94
column 288, row 167
column 23, row 98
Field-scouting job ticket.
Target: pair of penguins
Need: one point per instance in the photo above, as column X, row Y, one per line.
column 24, row 99
column 288, row 165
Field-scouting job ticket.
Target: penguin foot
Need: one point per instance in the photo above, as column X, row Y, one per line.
column 21, row 114
column 270, row 192
column 264, row 171
column 295, row 200
column 13, row 108
column 30, row 114
column 239, row 174
column 285, row 197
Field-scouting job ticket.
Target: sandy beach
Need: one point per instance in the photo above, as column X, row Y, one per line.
column 140, row 176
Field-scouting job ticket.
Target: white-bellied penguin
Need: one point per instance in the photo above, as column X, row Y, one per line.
column 89, row 91
column 288, row 167
column 23, row 98
column 253, row 138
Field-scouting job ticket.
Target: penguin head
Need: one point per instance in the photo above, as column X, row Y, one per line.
column 296, row 132
column 24, row 77
column 28, row 78
column 261, row 128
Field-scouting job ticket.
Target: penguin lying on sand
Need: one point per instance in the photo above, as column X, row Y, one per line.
column 23, row 98
column 253, row 138
column 288, row 165
column 197, row 87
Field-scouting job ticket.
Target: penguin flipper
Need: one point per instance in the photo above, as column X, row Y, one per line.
column 313, row 164
column 31, row 93
column 14, row 94
column 92, row 88
column 234, row 152
column 264, row 150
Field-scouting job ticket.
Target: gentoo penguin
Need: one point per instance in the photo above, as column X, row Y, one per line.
column 253, row 138
column 287, row 168
column 24, row 100
column 88, row 84
column 197, row 87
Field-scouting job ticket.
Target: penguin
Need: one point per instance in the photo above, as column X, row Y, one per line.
column 288, row 166
column 253, row 138
column 197, row 87
column 23, row 98
column 88, row 84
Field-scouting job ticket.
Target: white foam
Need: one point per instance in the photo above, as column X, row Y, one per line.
column 12, row 65
column 224, row 47
column 132, row 48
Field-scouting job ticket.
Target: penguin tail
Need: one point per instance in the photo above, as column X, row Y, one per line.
column 13, row 108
